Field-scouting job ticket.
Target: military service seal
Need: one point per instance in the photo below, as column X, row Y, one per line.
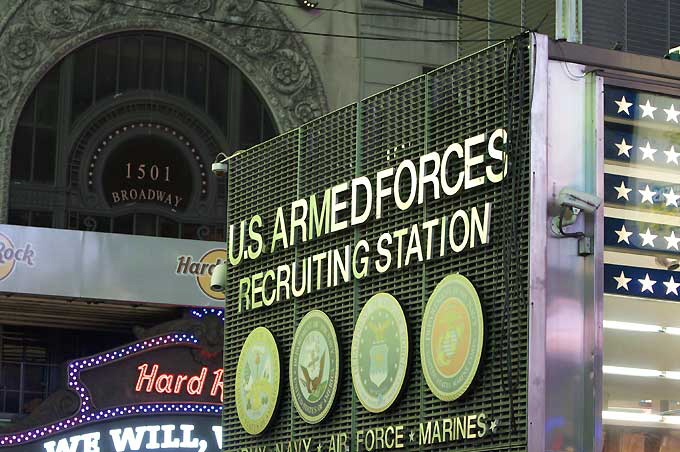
column 379, row 352
column 314, row 366
column 451, row 337
column 257, row 381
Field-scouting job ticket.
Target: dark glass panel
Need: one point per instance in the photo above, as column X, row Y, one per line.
column 45, row 154
column 11, row 400
column 72, row 220
column 129, row 63
column 152, row 66
column 196, row 75
column 217, row 234
column 268, row 129
column 217, row 93
column 123, row 224
column 251, row 111
column 41, row 219
column 145, row 224
column 168, row 228
column 174, row 66
column 83, row 78
column 33, row 380
column 48, row 99
column 22, row 153
column 441, row 5
column 107, row 53
column 190, row 231
column 19, row 217
column 26, row 117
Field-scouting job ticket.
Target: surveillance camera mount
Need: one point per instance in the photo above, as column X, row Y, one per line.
column 572, row 202
column 567, row 217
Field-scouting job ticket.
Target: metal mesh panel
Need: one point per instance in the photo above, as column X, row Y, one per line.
column 478, row 94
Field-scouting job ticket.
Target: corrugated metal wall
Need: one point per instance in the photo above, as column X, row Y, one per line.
column 648, row 27
column 529, row 13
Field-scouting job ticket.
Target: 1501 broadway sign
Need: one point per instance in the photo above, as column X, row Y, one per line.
column 376, row 274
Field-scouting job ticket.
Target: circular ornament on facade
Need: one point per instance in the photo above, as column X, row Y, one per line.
column 314, row 367
column 451, row 337
column 257, row 381
column 379, row 352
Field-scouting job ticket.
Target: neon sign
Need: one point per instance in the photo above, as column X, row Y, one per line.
column 151, row 381
column 105, row 384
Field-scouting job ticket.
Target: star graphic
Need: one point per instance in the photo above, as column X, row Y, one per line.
column 493, row 425
column 412, row 436
column 671, row 286
column 623, row 147
column 622, row 191
column 671, row 155
column 672, row 113
column 647, row 195
column 648, row 152
column 648, row 110
column 622, row 281
column 624, row 105
column 623, row 234
column 647, row 284
column 319, row 447
column 672, row 241
column 671, row 198
column 648, row 238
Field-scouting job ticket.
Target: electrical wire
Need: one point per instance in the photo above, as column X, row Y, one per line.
column 284, row 30
column 355, row 13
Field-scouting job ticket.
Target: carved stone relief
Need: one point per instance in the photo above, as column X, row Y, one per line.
column 36, row 34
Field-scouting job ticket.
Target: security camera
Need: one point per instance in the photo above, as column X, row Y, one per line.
column 572, row 202
column 219, row 168
column 575, row 199
column 218, row 279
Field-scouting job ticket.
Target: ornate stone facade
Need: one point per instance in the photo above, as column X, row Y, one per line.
column 36, row 34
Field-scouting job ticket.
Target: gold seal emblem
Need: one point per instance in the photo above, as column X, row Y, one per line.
column 379, row 352
column 451, row 337
column 257, row 381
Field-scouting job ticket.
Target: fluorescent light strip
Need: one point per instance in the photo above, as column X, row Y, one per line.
column 637, row 372
column 640, row 327
column 629, row 326
column 631, row 371
column 639, row 417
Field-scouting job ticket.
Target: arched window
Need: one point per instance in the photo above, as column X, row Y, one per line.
column 120, row 135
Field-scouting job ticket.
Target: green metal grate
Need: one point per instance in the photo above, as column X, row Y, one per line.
column 425, row 114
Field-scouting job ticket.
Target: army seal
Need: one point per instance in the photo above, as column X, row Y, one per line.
column 314, row 367
column 257, row 381
column 451, row 337
column 379, row 352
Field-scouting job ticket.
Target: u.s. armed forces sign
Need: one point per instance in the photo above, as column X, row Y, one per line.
column 383, row 247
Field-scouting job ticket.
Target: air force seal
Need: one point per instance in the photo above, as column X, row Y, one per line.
column 257, row 381
column 379, row 352
column 314, row 367
column 451, row 337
